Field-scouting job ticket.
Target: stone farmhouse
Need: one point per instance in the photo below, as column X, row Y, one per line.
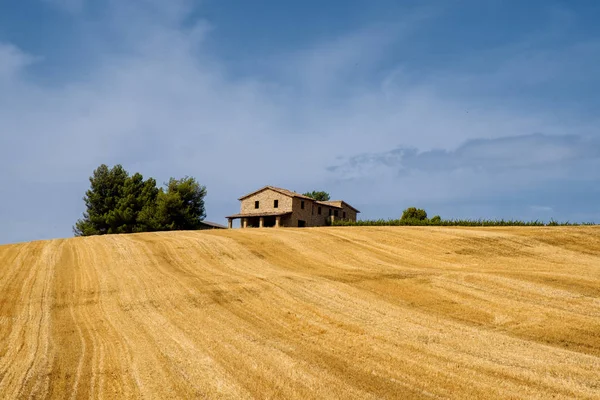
column 276, row 207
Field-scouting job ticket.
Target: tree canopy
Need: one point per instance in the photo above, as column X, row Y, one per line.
column 119, row 203
column 318, row 195
column 414, row 213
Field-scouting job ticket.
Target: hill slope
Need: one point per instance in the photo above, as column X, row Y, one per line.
column 312, row 313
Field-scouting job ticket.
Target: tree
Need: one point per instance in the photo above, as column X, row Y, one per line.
column 100, row 199
column 136, row 195
column 414, row 213
column 319, row 196
column 181, row 206
column 119, row 203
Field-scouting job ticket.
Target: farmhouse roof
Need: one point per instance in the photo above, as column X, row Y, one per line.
column 280, row 190
column 337, row 203
column 327, row 203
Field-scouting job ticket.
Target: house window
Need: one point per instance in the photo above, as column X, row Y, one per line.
column 256, row 204
column 330, row 212
column 344, row 214
column 319, row 210
column 276, row 204
column 302, row 204
column 335, row 213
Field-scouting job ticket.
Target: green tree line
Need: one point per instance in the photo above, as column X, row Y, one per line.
column 413, row 216
column 117, row 202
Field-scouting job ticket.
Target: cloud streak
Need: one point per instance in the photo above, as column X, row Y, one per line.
column 523, row 152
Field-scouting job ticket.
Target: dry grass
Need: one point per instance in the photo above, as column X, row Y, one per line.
column 387, row 312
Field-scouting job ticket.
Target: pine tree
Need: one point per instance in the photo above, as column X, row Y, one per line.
column 100, row 199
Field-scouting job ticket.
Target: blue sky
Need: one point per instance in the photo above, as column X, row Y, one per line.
column 466, row 108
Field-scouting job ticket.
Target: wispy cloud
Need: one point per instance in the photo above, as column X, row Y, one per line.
column 12, row 61
column 545, row 209
column 157, row 100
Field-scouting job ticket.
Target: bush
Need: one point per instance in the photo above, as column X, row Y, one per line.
column 436, row 219
column 413, row 213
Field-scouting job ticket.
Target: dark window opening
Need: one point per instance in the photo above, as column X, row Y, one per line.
column 276, row 204
column 302, row 204
column 256, row 204
column 335, row 213
column 301, row 224
column 330, row 212
column 344, row 214
column 319, row 210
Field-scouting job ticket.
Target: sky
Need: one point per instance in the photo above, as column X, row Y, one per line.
column 467, row 108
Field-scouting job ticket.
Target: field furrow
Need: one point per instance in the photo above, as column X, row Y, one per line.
column 369, row 312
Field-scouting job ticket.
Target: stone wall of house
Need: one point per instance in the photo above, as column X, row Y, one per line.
column 286, row 220
column 310, row 213
column 321, row 219
column 300, row 214
column 266, row 200
column 350, row 213
column 346, row 213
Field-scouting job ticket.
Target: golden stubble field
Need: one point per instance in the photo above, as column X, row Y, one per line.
column 387, row 312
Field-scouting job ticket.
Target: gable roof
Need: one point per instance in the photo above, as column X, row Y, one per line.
column 279, row 190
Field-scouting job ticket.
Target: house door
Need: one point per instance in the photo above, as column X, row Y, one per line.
column 301, row 224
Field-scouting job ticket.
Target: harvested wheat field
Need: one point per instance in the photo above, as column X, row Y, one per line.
column 386, row 312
